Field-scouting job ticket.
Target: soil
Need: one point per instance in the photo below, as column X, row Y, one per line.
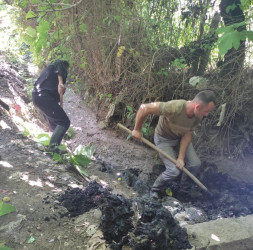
column 56, row 208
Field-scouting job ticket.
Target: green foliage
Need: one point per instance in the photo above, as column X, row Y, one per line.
column 101, row 96
column 25, row 132
column 70, row 133
column 109, row 97
column 231, row 37
column 246, row 4
column 163, row 71
column 6, row 208
column 30, row 14
column 43, row 139
column 147, row 130
column 87, row 151
column 3, row 247
column 179, row 63
column 80, row 158
column 130, row 113
column 58, row 158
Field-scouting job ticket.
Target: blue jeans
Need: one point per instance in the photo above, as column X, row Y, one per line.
column 192, row 161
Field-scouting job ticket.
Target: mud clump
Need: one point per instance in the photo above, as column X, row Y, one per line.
column 136, row 223
column 157, row 229
column 229, row 197
column 116, row 219
column 78, row 201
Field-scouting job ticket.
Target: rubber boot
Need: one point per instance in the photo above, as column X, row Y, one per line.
column 56, row 138
column 158, row 187
column 185, row 184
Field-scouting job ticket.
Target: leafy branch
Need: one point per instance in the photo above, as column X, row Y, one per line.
column 231, row 37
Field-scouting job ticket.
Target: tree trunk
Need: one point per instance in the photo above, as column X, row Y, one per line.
column 205, row 56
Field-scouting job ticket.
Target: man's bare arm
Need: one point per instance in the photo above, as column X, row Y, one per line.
column 184, row 143
column 61, row 86
column 143, row 112
column 61, row 89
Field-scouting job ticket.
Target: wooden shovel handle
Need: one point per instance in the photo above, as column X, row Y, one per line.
column 165, row 155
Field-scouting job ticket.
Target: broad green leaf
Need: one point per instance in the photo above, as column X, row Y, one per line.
column 6, row 208
column 82, row 160
column 41, row 42
column 72, row 160
column 43, row 27
column 57, row 157
column 224, row 29
column 31, row 32
column 81, row 171
column 87, row 151
column 30, row 14
column 230, row 28
column 44, row 140
column 229, row 40
column 70, row 133
column 43, row 135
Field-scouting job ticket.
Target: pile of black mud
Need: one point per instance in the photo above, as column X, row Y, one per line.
column 136, row 223
column 78, row 201
column 229, row 197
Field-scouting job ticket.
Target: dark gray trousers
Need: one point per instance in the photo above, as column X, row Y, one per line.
column 192, row 162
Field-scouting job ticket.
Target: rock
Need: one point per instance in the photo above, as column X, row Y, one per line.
column 195, row 215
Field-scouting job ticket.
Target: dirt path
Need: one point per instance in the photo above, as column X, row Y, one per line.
column 110, row 144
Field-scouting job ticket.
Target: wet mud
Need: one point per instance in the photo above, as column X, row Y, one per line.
column 144, row 223
column 227, row 197
column 137, row 223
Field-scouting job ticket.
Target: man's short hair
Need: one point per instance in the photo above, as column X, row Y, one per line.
column 205, row 96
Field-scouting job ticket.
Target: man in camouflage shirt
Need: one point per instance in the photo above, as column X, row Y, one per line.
column 173, row 135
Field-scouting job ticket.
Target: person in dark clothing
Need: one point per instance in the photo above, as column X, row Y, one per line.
column 46, row 96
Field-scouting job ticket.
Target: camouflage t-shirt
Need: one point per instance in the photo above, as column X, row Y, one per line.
column 173, row 122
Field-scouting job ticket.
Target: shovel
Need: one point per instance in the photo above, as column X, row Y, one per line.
column 186, row 171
